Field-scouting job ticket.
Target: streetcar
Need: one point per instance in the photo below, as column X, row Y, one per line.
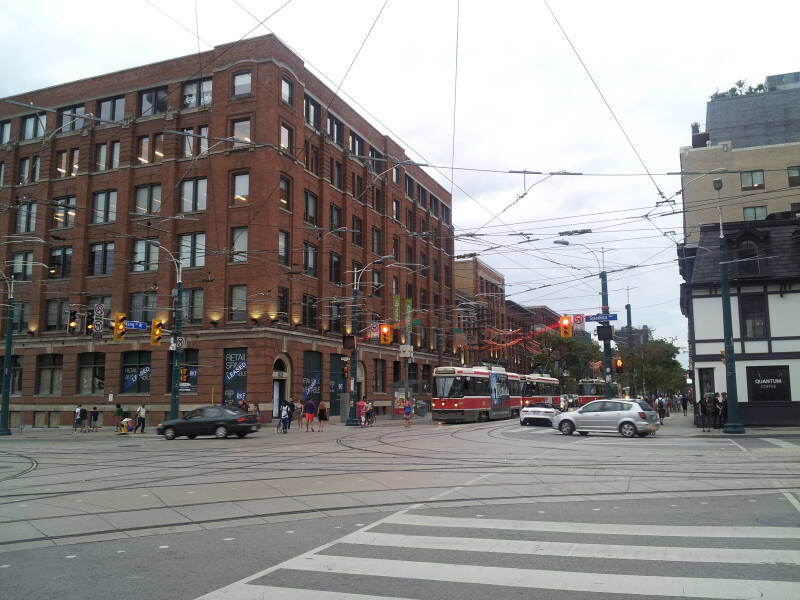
column 540, row 389
column 469, row 394
column 595, row 389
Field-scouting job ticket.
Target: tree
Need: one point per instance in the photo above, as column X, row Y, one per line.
column 653, row 367
column 559, row 354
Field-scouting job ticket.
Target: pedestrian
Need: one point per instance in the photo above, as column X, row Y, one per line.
column 141, row 412
column 76, row 423
column 95, row 416
column 298, row 413
column 118, row 417
column 370, row 413
column 291, row 407
column 243, row 405
column 723, row 409
column 408, row 412
column 83, row 415
column 661, row 410
column 255, row 410
column 309, row 408
column 684, row 403
column 705, row 412
column 322, row 415
column 717, row 411
column 361, row 412
column 286, row 415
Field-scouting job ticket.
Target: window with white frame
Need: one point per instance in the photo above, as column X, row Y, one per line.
column 22, row 265
column 192, row 249
column 197, row 93
column 148, row 199
column 111, row 109
column 755, row 213
column 237, row 303
column 33, row 126
column 104, row 207
column 192, row 305
column 194, row 193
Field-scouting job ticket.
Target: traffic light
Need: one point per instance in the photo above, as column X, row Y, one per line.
column 619, row 365
column 119, row 326
column 72, row 324
column 723, row 358
column 156, row 331
column 386, row 333
column 565, row 326
column 88, row 326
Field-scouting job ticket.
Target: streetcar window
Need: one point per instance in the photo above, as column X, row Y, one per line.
column 449, row 387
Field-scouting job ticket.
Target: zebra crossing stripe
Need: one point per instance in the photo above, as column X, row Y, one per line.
column 654, row 553
column 780, row 443
column 246, row 591
column 611, row 583
column 693, row 531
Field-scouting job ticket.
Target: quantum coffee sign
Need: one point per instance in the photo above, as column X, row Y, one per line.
column 768, row 384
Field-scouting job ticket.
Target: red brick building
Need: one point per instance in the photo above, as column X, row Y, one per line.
column 270, row 200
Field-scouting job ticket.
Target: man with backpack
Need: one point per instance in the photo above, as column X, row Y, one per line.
column 661, row 409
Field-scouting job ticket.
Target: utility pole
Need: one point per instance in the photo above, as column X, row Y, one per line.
column 177, row 353
column 630, row 340
column 4, row 411
column 606, row 343
column 351, row 415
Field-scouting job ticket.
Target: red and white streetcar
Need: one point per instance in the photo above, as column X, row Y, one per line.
column 595, row 389
column 540, row 389
column 467, row 394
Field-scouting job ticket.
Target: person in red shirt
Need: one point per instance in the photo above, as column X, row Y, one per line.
column 361, row 412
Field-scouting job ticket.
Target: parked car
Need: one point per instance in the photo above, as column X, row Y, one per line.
column 219, row 421
column 542, row 414
column 628, row 417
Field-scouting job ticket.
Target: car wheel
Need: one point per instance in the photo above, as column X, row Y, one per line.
column 192, row 436
column 241, row 434
column 627, row 430
column 566, row 428
column 221, row 432
column 169, row 433
column 584, row 432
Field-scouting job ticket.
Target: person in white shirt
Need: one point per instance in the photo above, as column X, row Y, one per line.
column 140, row 414
column 76, row 423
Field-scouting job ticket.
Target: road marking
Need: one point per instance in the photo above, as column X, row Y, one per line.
column 4, row 566
column 693, row 531
column 121, row 551
column 779, row 443
column 790, row 497
column 243, row 591
column 71, row 556
column 610, row 583
column 163, row 547
column 507, row 546
column 738, row 445
column 228, row 539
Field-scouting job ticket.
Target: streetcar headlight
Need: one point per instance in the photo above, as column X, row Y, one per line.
column 455, row 404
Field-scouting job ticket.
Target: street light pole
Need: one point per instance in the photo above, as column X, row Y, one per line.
column 4, row 411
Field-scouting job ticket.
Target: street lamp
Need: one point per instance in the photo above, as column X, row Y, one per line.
column 177, row 356
column 357, row 274
column 604, row 292
column 4, row 410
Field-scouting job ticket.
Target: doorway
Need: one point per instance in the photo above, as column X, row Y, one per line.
column 280, row 379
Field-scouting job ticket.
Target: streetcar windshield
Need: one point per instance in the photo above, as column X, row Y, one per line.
column 449, row 387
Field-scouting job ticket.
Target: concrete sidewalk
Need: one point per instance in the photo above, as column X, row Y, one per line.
column 680, row 425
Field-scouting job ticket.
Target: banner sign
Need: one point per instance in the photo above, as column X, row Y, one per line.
column 132, row 375
column 234, row 382
column 396, row 308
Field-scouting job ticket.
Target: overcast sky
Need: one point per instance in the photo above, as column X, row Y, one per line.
column 523, row 102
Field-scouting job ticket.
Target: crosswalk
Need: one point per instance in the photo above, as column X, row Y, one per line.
column 420, row 554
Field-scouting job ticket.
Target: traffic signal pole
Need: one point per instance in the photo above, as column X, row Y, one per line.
column 606, row 343
column 732, row 424
column 4, row 411
column 177, row 354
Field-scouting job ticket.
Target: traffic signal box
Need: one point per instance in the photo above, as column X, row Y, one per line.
column 386, row 333
column 565, row 326
column 619, row 365
column 119, row 326
column 72, row 324
column 88, row 326
column 156, row 331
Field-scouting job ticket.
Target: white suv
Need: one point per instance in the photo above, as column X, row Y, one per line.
column 543, row 414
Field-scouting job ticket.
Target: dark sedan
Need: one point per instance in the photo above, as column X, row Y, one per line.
column 219, row 421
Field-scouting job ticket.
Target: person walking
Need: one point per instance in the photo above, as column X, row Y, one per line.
column 83, row 415
column 309, row 409
column 298, row 414
column 408, row 412
column 322, row 415
column 286, row 415
column 661, row 410
column 361, row 412
column 370, row 413
column 291, row 407
column 141, row 412
column 93, row 418
column 684, row 403
column 76, row 423
column 716, row 411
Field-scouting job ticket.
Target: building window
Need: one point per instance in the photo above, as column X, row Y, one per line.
column 2, row 174
column 57, row 311
column 309, row 318
column 311, row 111
column 283, row 304
column 409, row 187
column 70, row 118
column 239, row 243
column 377, row 285
column 410, row 220
column 106, row 156
column 283, row 248
column 356, row 144
column 447, row 276
column 28, row 170
column 192, row 305
column 135, row 372
column 747, row 255
column 379, row 379
column 336, row 220
column 794, row 176
column 197, row 93
column 33, row 126
column 67, row 163
column 237, row 302
column 191, row 139
column 91, row 372
column 310, row 210
column 287, row 90
column 22, row 265
column 436, row 275
column 5, row 132
column 376, row 241
column 26, row 218
column 358, row 234
column 240, row 132
column 192, row 249
column 22, row 312
column 311, row 153
column 396, row 247
column 111, row 109
column 101, row 258
column 411, row 257
column 142, row 306
column 337, row 179
column 240, row 188
column 104, row 207
column 16, row 375
column 310, row 259
column 375, row 162
column 49, row 370
column 145, row 257
column 60, row 262
column 423, row 259
column 335, row 268
column 287, row 138
column 395, row 209
column 335, row 318
column 148, row 199
column 153, row 102
column 357, row 185
column 434, row 206
column 335, row 130
column 422, row 197
column 242, row 83
column 755, row 213
column 395, row 286
column 194, row 194
column 285, row 192
column 752, row 180
column 753, row 310
column 143, row 149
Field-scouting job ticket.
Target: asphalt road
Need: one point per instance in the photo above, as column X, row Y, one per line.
column 436, row 512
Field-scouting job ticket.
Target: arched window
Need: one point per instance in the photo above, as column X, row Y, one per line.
column 747, row 256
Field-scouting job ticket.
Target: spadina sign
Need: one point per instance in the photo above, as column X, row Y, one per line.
column 768, row 384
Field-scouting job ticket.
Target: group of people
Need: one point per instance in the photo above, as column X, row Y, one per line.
column 85, row 420
column 713, row 410
column 88, row 420
column 290, row 410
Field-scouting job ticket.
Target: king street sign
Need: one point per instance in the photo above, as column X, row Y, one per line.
column 600, row 317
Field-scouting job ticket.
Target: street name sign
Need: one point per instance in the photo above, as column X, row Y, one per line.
column 600, row 317
column 139, row 325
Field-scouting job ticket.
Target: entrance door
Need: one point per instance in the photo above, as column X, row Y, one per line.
column 705, row 378
column 278, row 391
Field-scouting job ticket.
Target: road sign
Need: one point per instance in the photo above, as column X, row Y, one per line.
column 97, row 325
column 140, row 325
column 180, row 342
column 406, row 351
column 99, row 311
column 577, row 319
column 600, row 317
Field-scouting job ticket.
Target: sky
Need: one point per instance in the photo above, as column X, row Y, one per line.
column 484, row 86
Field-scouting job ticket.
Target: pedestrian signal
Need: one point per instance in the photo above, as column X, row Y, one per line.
column 619, row 365
column 565, row 326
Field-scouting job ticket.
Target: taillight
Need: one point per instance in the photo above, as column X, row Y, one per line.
column 241, row 419
column 643, row 416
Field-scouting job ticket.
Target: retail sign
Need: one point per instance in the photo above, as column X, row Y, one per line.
column 234, row 383
column 768, row 383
